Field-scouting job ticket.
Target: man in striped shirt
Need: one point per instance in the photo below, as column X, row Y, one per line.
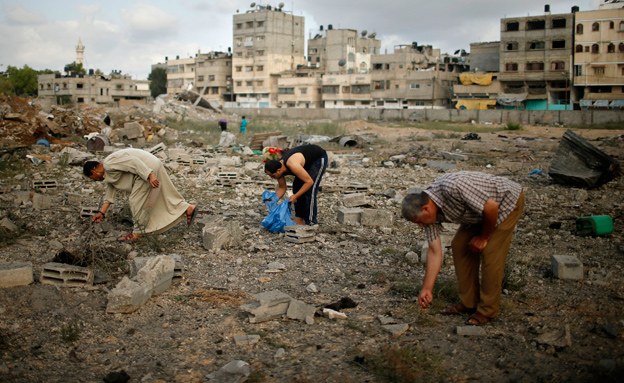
column 487, row 208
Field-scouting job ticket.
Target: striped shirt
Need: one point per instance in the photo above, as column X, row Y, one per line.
column 461, row 196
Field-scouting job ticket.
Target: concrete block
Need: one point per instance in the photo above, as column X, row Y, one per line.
column 8, row 225
column 157, row 271
column 74, row 198
column 16, row 274
column 301, row 311
column 139, row 262
column 215, row 238
column 355, row 199
column 470, row 331
column 453, row 156
column 128, row 296
column 41, row 201
column 44, row 184
column 349, row 216
column 89, row 212
column 270, row 305
column 300, row 233
column 416, row 189
column 22, row 197
column 566, row 267
column 159, row 151
column 131, row 130
column 61, row 274
column 441, row 165
column 175, row 153
column 377, row 217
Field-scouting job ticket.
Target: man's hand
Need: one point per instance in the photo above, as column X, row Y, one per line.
column 424, row 298
column 292, row 199
column 97, row 218
column 477, row 244
column 153, row 180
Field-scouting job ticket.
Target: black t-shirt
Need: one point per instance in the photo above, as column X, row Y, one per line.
column 310, row 153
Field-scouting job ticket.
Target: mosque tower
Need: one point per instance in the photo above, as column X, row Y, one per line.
column 79, row 52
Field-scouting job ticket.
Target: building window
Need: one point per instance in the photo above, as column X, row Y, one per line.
column 535, row 66
column 557, row 65
column 513, row 26
column 239, row 41
column 579, row 29
column 211, row 77
column 599, row 71
column 239, row 54
column 259, row 53
column 559, row 23
column 248, row 83
column 611, row 25
column 249, row 68
column 80, row 100
column 260, row 68
column 600, row 89
column 414, row 86
column 511, row 67
column 349, row 103
column 346, row 89
column 536, row 45
column 621, row 26
column 313, row 51
column 259, row 83
column 239, row 68
column 286, row 90
column 595, row 27
column 119, row 87
column 249, row 53
column 259, row 23
column 558, row 44
column 594, row 48
column 239, row 26
column 249, row 24
column 579, row 49
column 200, row 78
column 359, row 89
column 303, row 90
column 239, row 83
column 611, row 48
column 578, row 70
column 512, row 46
column 587, row 48
column 533, row 25
column 260, row 38
column 621, row 47
column 330, row 89
column 79, row 85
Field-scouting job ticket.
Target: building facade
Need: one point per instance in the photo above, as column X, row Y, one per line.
column 213, row 76
column 267, row 41
column 180, row 74
column 536, row 60
column 599, row 57
column 342, row 51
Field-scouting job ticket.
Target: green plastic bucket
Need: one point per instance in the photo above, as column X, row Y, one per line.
column 596, row 225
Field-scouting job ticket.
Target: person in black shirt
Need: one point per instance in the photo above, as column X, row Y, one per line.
column 307, row 163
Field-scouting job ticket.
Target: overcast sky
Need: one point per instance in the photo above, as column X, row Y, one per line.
column 132, row 35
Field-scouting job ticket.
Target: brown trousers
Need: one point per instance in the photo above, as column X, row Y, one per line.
column 485, row 296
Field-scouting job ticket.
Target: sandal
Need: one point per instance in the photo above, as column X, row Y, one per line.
column 191, row 219
column 130, row 237
column 478, row 319
column 457, row 308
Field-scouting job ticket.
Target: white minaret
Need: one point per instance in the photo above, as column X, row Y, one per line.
column 79, row 52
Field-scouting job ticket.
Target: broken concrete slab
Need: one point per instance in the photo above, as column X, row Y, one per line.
column 41, row 201
column 139, row 262
column 301, row 311
column 453, row 156
column 578, row 163
column 237, row 371
column 131, row 130
column 16, row 274
column 355, row 200
column 377, row 217
column 441, row 165
column 159, row 272
column 470, row 331
column 349, row 216
column 246, row 339
column 215, row 238
column 558, row 338
column 566, row 267
column 8, row 225
column 333, row 314
column 128, row 296
column 396, row 329
column 270, row 305
column 61, row 274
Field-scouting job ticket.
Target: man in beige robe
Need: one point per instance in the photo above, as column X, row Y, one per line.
column 155, row 203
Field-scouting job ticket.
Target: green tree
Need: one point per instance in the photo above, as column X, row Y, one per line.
column 158, row 84
column 74, row 67
column 23, row 81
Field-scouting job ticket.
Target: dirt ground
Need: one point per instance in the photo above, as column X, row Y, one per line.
column 550, row 330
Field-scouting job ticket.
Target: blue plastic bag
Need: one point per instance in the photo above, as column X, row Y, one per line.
column 270, row 199
column 279, row 218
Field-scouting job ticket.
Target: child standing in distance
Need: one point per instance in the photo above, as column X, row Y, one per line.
column 243, row 127
column 223, row 124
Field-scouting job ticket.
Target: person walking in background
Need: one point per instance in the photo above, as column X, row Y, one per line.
column 243, row 127
column 223, row 124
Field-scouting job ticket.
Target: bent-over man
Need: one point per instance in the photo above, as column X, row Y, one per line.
column 307, row 163
column 155, row 203
column 487, row 208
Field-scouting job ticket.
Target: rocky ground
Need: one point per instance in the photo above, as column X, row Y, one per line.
column 57, row 334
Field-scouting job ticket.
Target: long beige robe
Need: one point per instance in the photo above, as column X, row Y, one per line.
column 128, row 170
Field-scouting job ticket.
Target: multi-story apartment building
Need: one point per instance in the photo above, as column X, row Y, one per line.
column 599, row 57
column 301, row 88
column 180, row 74
column 90, row 89
column 479, row 88
column 213, row 76
column 267, row 41
column 346, row 90
column 535, row 61
column 342, row 51
column 412, row 78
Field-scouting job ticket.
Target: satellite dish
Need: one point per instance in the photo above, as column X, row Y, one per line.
column 281, row 5
column 342, row 62
column 372, row 35
column 252, row 5
column 364, row 32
